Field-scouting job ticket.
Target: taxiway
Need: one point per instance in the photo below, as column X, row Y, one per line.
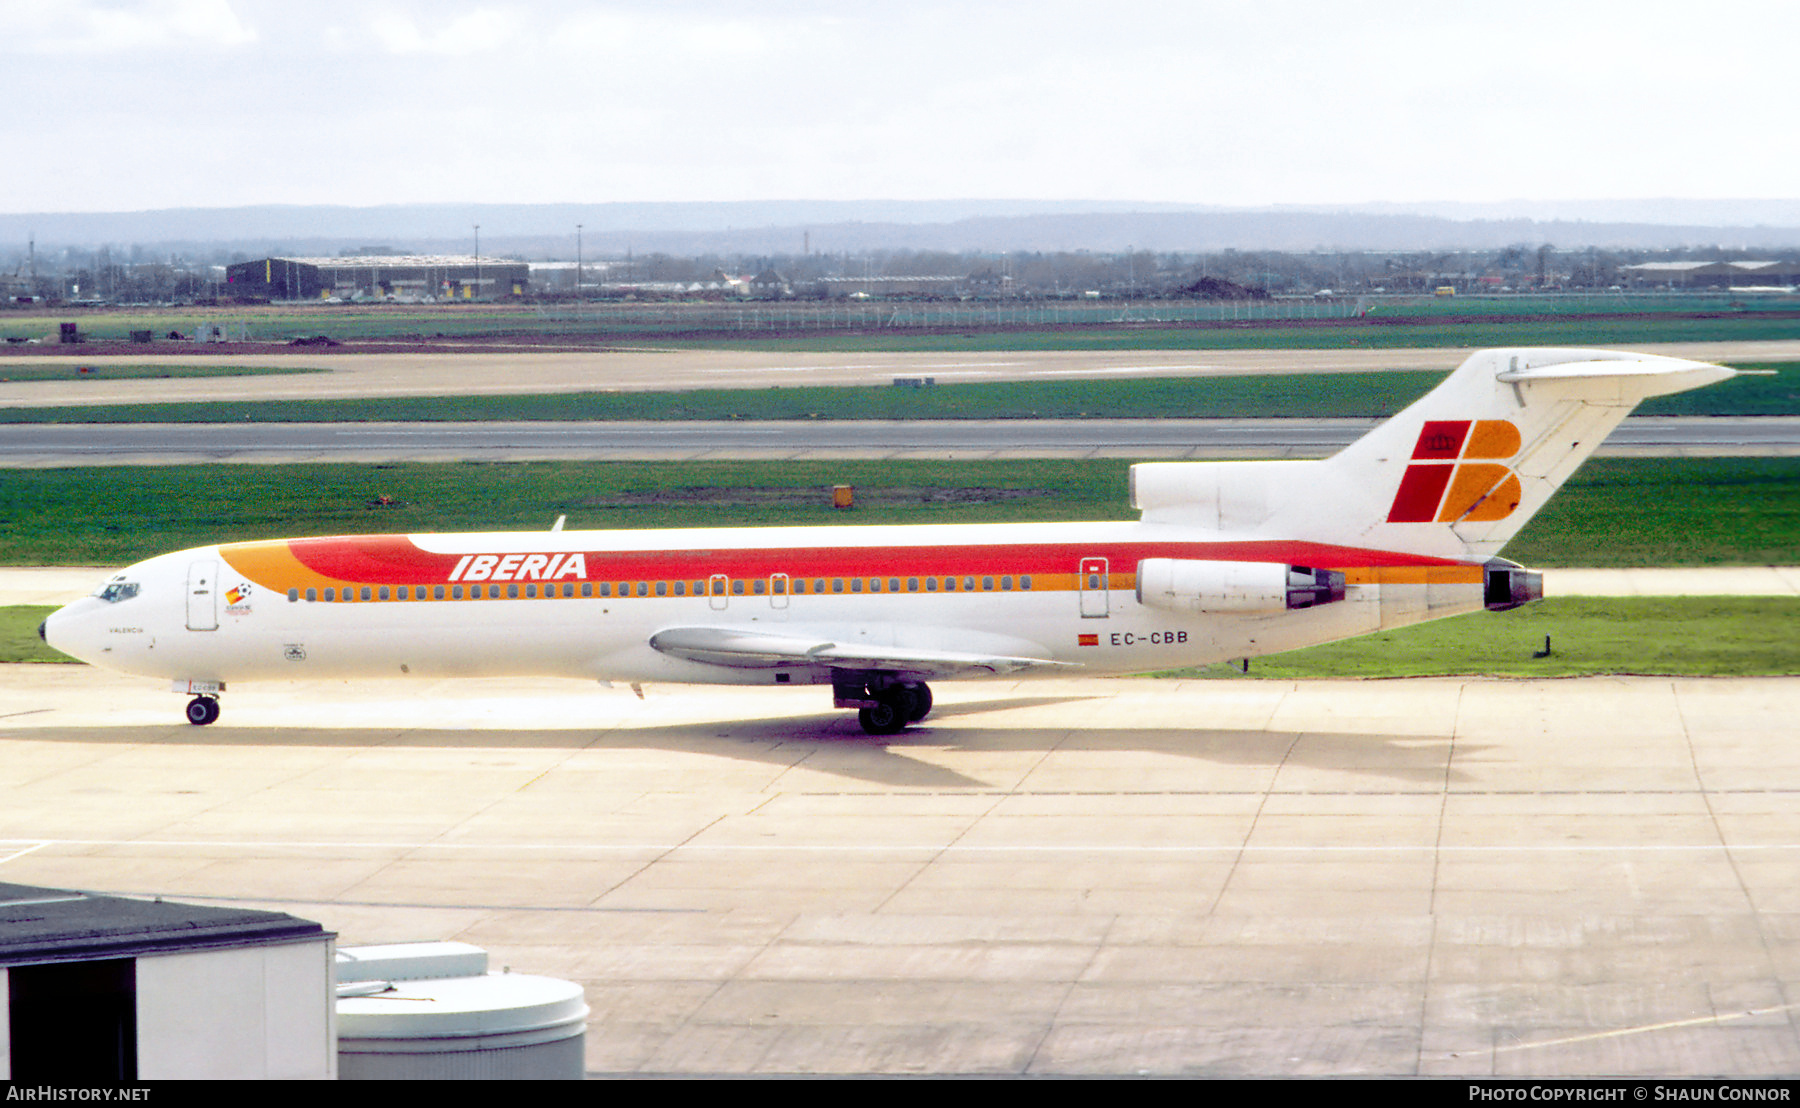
column 513, row 371
column 1432, row 877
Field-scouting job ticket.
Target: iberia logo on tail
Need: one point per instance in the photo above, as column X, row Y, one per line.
column 1454, row 475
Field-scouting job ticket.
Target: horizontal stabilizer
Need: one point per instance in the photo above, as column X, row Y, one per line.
column 1648, row 375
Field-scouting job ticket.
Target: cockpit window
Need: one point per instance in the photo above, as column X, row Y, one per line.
column 114, row 591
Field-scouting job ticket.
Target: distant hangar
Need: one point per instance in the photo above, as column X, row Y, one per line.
column 1714, row 274
column 379, row 277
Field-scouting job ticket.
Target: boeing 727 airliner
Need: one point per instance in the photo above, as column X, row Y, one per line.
column 1229, row 560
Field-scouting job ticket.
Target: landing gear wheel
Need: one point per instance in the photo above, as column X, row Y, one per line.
column 202, row 710
column 918, row 695
column 887, row 717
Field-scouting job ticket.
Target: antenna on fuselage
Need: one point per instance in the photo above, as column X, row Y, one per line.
column 560, row 520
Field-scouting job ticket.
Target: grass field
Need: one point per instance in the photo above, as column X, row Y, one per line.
column 1688, row 636
column 989, row 325
column 75, row 370
column 1614, row 512
column 1378, row 333
column 1320, row 395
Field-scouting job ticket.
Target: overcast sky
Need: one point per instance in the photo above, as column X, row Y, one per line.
column 123, row 105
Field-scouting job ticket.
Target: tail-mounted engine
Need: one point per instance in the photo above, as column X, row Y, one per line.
column 1186, row 585
column 1510, row 585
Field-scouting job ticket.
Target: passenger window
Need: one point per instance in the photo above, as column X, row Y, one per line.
column 1006, row 584
column 680, row 589
column 437, row 592
column 587, row 589
column 930, row 584
column 987, row 584
column 530, row 591
column 365, row 592
column 494, row 591
column 1025, row 581
column 855, row 584
column 662, row 588
column 968, row 584
column 760, row 587
column 874, row 584
column 837, row 584
column 384, row 592
column 294, row 596
column 737, row 587
column 330, row 595
column 456, row 592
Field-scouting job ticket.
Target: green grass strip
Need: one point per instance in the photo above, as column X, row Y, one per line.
column 19, row 640
column 1380, row 331
column 1687, row 636
column 76, row 370
column 1615, row 512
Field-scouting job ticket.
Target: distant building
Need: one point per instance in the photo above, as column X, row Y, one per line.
column 379, row 277
column 1712, row 274
column 770, row 285
column 863, row 287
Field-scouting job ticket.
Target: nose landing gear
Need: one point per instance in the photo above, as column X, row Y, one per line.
column 202, row 710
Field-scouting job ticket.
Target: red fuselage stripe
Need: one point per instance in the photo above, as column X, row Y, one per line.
column 395, row 559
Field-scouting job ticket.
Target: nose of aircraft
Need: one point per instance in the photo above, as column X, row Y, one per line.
column 63, row 630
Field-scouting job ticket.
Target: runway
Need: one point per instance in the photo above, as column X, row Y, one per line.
column 513, row 371
column 1432, row 877
column 52, row 445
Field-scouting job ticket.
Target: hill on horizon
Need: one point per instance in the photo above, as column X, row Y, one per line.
column 546, row 231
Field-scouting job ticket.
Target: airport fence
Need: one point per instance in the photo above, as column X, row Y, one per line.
column 864, row 316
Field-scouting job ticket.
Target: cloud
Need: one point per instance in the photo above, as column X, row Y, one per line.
column 480, row 31
column 245, row 101
column 135, row 26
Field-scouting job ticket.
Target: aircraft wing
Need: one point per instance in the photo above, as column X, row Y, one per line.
column 743, row 649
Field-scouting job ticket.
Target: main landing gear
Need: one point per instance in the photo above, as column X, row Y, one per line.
column 202, row 710
column 887, row 709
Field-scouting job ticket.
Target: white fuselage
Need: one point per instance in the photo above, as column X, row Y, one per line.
column 587, row 604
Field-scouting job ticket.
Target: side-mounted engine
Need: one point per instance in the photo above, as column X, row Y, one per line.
column 1190, row 585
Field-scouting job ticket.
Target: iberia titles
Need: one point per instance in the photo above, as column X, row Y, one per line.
column 519, row 567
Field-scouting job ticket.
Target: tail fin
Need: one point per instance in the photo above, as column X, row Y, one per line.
column 1455, row 475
